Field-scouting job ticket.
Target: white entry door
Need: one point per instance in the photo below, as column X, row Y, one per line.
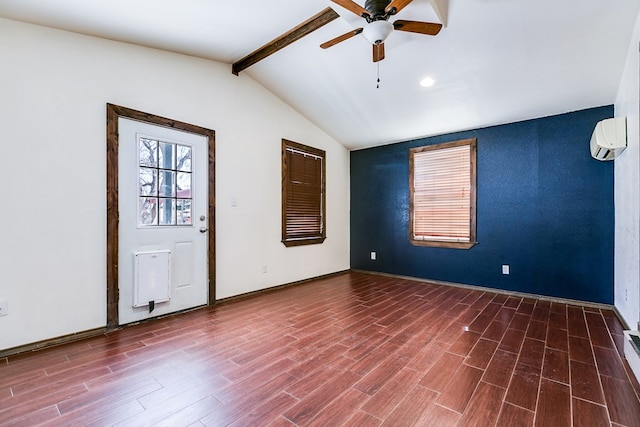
column 163, row 203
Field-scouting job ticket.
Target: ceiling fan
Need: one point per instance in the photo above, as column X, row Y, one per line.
column 376, row 13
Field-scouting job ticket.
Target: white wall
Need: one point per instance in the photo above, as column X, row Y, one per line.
column 627, row 192
column 53, row 91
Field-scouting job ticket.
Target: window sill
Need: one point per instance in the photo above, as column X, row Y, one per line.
column 302, row 242
column 442, row 244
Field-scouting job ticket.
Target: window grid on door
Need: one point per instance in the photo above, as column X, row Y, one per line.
column 164, row 183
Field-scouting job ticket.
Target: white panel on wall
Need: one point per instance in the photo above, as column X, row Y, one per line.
column 152, row 277
column 183, row 264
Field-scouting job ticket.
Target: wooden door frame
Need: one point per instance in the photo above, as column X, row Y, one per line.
column 114, row 112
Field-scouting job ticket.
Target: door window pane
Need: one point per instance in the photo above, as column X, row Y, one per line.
column 167, row 212
column 184, row 158
column 183, row 212
column 148, row 152
column 184, row 185
column 166, row 155
column 167, row 184
column 148, row 181
column 148, row 211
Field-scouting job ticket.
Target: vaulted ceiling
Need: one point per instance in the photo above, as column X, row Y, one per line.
column 493, row 62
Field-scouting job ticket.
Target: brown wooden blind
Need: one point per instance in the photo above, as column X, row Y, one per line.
column 303, row 194
column 443, row 192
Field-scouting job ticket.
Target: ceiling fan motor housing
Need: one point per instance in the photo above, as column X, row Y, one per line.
column 376, row 8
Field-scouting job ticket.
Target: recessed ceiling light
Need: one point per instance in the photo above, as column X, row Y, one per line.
column 427, row 82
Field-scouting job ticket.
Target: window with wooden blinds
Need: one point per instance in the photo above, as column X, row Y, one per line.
column 303, row 194
column 443, row 194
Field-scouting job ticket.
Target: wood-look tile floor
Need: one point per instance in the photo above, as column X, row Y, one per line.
column 349, row 350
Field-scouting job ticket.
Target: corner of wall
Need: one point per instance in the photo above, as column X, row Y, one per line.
column 627, row 190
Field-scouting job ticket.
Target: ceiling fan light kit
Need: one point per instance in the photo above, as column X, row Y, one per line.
column 377, row 32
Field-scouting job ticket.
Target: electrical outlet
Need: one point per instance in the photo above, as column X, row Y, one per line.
column 373, row 256
column 505, row 268
column 265, row 268
column 4, row 308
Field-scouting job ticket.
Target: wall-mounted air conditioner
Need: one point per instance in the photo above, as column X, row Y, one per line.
column 609, row 138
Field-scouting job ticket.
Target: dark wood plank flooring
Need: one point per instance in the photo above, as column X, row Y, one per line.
column 349, row 350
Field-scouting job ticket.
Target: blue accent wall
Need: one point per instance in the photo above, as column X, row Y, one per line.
column 545, row 207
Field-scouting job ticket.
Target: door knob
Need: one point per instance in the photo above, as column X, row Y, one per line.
column 203, row 229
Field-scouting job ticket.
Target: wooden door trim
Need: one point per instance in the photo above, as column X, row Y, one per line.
column 114, row 112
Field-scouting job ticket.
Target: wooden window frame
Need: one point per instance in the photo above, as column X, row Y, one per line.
column 319, row 237
column 445, row 243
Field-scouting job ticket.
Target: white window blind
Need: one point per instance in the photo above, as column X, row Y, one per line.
column 443, row 193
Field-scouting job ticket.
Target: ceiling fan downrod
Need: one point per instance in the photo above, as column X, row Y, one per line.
column 376, row 9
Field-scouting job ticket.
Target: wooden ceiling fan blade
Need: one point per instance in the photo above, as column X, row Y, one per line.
column 341, row 38
column 428, row 28
column 378, row 52
column 398, row 5
column 353, row 7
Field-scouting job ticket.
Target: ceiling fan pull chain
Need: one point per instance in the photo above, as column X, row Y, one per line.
column 378, row 81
